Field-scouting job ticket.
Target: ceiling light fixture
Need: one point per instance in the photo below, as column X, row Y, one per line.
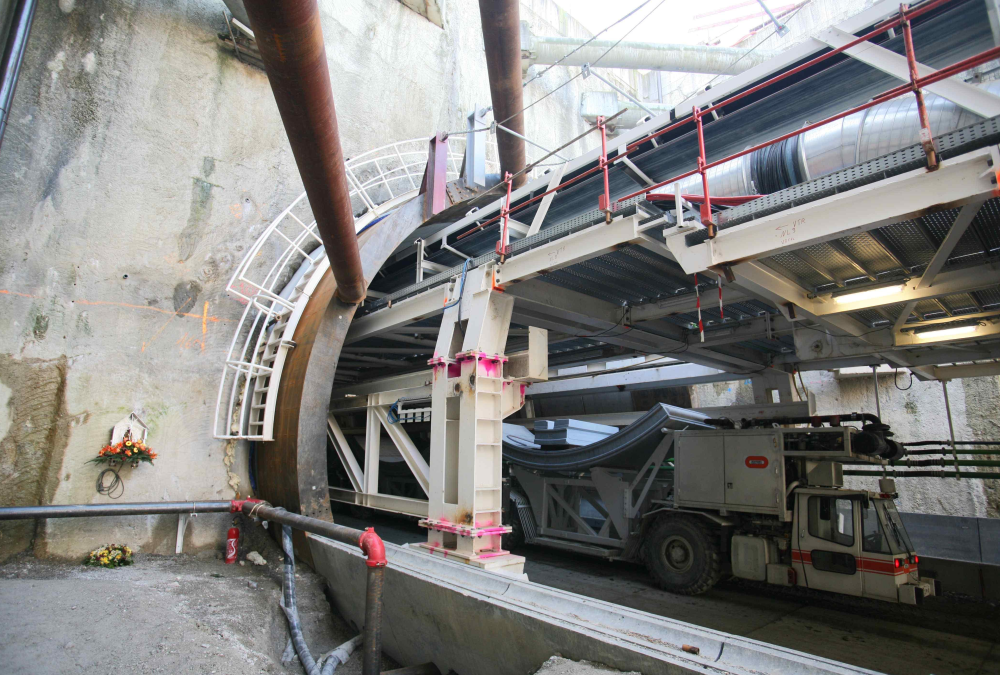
column 869, row 293
column 947, row 332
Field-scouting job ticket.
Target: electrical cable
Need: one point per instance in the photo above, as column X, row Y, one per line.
column 608, row 330
column 595, row 36
column 754, row 48
column 461, row 288
column 115, row 484
column 580, row 74
column 629, row 32
column 726, row 72
column 896, row 382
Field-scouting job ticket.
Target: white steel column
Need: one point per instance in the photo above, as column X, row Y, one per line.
column 469, row 398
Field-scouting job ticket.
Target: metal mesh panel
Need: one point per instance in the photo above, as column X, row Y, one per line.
column 791, row 266
column 566, row 280
column 907, row 238
column 869, row 253
column 988, row 297
column 870, row 317
column 987, row 223
column 959, row 303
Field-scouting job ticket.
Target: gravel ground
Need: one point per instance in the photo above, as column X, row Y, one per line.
column 173, row 614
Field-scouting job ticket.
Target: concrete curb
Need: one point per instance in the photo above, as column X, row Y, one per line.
column 480, row 623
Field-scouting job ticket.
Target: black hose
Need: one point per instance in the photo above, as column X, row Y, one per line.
column 814, row 420
column 288, row 604
column 916, row 444
column 982, row 475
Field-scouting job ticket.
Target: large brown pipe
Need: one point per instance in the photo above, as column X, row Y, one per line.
column 290, row 40
column 501, row 21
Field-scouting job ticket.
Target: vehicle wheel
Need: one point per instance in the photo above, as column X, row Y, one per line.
column 682, row 554
column 515, row 538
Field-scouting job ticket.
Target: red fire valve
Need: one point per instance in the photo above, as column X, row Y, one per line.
column 232, row 544
column 373, row 548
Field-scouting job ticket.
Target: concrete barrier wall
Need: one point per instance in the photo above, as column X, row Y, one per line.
column 479, row 623
column 962, row 553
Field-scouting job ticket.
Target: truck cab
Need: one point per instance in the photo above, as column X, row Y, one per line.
column 768, row 503
column 854, row 542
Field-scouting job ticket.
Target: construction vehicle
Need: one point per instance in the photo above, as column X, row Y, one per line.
column 697, row 499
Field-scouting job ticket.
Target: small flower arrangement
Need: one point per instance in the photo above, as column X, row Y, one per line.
column 110, row 555
column 125, row 451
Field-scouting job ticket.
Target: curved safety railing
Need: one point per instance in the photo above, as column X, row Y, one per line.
column 282, row 268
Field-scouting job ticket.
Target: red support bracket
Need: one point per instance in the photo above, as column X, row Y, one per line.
column 604, row 201
column 435, row 179
column 926, row 137
column 706, row 205
column 503, row 246
column 236, row 505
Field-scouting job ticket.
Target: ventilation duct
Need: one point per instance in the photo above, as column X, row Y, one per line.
column 637, row 55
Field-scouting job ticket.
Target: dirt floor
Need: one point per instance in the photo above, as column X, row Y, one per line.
column 176, row 614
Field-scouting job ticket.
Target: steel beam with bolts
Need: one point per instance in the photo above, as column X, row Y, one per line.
column 959, row 180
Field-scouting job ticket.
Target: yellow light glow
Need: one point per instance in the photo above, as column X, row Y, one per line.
column 945, row 332
column 869, row 294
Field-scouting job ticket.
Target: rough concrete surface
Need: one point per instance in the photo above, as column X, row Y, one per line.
column 560, row 666
column 165, row 614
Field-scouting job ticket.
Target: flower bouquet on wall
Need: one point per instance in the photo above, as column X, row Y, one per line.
column 126, row 451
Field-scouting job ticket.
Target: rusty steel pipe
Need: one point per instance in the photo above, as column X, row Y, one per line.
column 371, row 658
column 501, row 21
column 290, row 40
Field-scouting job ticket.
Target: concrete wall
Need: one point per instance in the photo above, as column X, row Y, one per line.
column 916, row 414
column 140, row 161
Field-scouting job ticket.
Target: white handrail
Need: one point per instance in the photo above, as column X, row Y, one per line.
column 282, row 268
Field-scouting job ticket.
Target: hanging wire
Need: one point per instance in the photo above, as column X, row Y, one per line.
column 732, row 65
column 596, row 35
column 580, row 74
column 113, row 489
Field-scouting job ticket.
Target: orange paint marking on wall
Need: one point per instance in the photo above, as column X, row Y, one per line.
column 204, row 325
column 187, row 342
column 98, row 303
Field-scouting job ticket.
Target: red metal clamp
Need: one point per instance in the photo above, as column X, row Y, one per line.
column 236, row 505
column 374, row 549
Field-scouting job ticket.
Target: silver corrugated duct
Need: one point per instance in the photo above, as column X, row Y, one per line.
column 856, row 138
column 638, row 55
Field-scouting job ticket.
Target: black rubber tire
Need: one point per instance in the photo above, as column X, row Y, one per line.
column 682, row 554
column 514, row 539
